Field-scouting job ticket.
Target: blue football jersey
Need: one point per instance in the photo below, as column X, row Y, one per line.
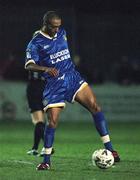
column 54, row 52
column 50, row 52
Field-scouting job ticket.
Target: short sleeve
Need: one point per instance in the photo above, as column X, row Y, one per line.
column 32, row 53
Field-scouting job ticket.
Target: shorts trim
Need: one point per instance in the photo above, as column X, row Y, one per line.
column 80, row 88
column 54, row 105
column 34, row 110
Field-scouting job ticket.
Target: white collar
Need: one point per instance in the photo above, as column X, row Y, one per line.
column 47, row 36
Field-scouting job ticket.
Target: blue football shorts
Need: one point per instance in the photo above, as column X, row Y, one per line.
column 63, row 88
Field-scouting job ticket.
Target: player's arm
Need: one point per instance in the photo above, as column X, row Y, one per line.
column 34, row 67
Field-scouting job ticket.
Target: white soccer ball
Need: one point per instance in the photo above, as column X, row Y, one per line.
column 103, row 158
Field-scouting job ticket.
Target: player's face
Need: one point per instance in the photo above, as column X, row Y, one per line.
column 53, row 26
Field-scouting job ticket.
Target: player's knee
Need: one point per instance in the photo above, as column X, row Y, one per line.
column 53, row 121
column 52, row 124
column 95, row 107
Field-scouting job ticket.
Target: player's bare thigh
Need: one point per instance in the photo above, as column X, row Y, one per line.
column 37, row 116
column 87, row 98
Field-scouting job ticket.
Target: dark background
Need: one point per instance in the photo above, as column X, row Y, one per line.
column 104, row 37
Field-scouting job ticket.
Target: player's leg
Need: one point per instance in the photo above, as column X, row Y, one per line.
column 87, row 98
column 53, row 115
column 39, row 125
column 34, row 93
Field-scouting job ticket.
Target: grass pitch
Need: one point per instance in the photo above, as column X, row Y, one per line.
column 74, row 145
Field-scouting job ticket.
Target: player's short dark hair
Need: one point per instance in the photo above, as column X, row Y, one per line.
column 50, row 15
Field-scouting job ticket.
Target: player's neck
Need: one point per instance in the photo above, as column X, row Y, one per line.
column 44, row 30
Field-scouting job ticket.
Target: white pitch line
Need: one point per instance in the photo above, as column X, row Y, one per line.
column 20, row 161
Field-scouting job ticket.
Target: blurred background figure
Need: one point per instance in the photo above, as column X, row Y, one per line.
column 34, row 91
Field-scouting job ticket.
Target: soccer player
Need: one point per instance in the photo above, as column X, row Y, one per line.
column 48, row 52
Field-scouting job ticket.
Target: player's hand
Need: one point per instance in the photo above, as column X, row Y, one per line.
column 52, row 71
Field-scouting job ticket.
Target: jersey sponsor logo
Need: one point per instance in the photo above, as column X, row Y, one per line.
column 60, row 53
column 60, row 56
